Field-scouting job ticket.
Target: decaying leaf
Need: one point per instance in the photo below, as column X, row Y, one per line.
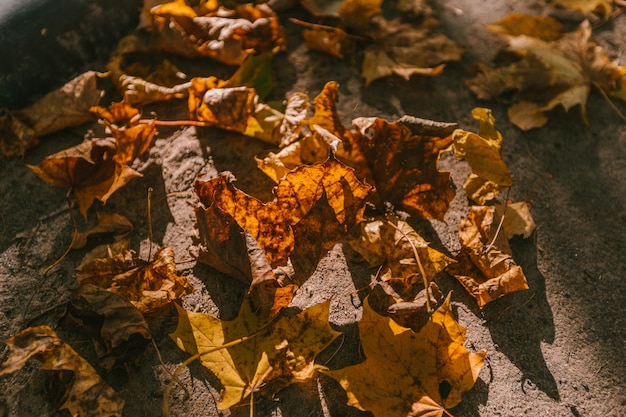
column 228, row 36
column 86, row 395
column 549, row 72
column 328, row 39
column 146, row 285
column 417, row 374
column 402, row 166
column 358, row 14
column 276, row 354
column 233, row 108
column 602, row 8
column 66, row 107
column 119, row 331
column 96, row 168
column 393, row 243
column 483, row 151
column 517, row 219
column 486, row 267
column 237, row 231
column 406, row 50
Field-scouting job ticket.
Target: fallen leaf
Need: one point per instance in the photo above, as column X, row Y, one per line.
column 394, row 244
column 483, row 152
column 233, row 108
column 328, row 39
column 255, row 72
column 119, row 331
column 486, row 267
column 86, row 395
column 107, row 223
column 406, row 50
column 402, row 166
column 546, row 28
column 66, row 107
column 146, row 285
column 251, row 354
column 96, row 168
column 358, row 14
column 226, row 36
column 602, row 8
column 549, row 73
column 517, row 219
column 417, row 374
column 232, row 223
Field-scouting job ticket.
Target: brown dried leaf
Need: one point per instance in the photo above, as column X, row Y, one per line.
column 147, row 286
column 87, row 394
column 407, row 50
column 66, row 107
column 402, row 166
column 486, row 267
column 119, row 331
column 227, row 36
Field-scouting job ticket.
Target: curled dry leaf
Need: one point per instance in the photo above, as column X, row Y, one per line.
column 328, row 39
column 226, row 36
column 483, row 152
column 602, row 8
column 119, row 331
column 486, row 267
column 270, row 356
column 66, row 107
column 96, row 168
column 418, row 374
column 146, row 285
column 548, row 73
column 86, row 395
column 393, row 243
column 407, row 50
column 233, row 108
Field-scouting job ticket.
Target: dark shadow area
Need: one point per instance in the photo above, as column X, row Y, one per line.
column 520, row 322
column 47, row 43
column 234, row 152
column 336, row 399
column 472, row 399
column 226, row 292
column 132, row 201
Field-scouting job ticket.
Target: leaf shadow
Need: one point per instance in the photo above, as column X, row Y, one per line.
column 225, row 292
column 521, row 321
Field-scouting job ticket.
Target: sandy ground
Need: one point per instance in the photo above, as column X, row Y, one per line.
column 554, row 350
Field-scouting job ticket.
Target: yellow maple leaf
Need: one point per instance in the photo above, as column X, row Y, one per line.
column 486, row 266
column 417, row 374
column 482, row 151
column 270, row 356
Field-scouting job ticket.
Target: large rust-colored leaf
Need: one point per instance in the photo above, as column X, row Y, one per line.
column 147, row 285
column 66, row 107
column 402, row 166
column 227, row 36
column 277, row 354
column 483, row 152
column 486, row 267
column 238, row 231
column 86, row 395
column 119, row 331
column 416, row 374
column 549, row 73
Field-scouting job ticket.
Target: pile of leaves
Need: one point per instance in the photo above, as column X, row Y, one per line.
column 360, row 185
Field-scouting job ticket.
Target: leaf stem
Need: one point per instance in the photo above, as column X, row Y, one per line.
column 611, row 104
column 506, row 205
column 175, row 122
column 168, row 389
column 419, row 265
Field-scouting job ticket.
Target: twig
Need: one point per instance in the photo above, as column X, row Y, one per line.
column 506, row 205
column 74, row 236
column 149, row 224
column 174, row 378
column 175, row 122
column 611, row 104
